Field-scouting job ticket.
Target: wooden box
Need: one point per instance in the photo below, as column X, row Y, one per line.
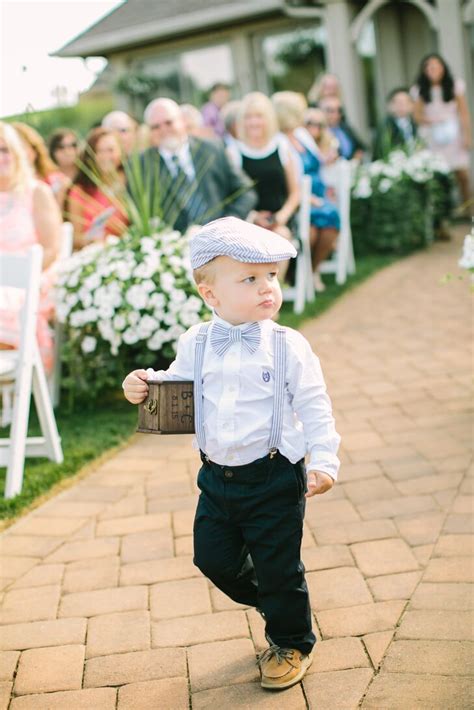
column 168, row 409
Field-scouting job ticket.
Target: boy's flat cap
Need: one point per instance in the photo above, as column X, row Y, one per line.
column 240, row 240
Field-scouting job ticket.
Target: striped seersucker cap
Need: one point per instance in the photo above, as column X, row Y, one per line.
column 240, row 240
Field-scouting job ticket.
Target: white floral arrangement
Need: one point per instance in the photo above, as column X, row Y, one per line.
column 124, row 304
column 382, row 175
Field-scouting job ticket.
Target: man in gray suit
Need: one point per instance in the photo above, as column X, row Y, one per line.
column 191, row 180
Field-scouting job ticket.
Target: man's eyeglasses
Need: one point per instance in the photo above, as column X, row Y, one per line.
column 315, row 124
column 157, row 126
column 63, row 146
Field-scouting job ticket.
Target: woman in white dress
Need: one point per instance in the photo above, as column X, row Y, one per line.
column 442, row 113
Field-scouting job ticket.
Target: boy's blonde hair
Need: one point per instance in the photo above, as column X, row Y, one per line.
column 206, row 273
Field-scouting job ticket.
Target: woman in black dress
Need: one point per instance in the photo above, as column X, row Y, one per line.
column 264, row 154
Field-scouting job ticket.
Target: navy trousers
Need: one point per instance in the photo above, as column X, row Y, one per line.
column 247, row 541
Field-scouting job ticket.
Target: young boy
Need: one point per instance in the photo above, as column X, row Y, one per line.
column 260, row 407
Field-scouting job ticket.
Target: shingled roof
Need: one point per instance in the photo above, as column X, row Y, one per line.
column 138, row 22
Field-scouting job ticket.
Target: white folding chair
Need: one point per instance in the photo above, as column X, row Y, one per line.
column 25, row 367
column 342, row 262
column 54, row 378
column 303, row 290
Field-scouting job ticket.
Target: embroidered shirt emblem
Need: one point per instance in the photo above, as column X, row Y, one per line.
column 266, row 376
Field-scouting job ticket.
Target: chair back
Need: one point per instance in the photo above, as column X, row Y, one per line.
column 67, row 240
column 338, row 176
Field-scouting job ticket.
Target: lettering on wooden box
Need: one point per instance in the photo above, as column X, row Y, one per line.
column 168, row 409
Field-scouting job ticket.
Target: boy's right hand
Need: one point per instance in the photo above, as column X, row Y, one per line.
column 135, row 387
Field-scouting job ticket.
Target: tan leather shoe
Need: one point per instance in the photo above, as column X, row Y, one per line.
column 283, row 667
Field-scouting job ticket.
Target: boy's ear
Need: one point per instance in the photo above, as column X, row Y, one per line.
column 207, row 294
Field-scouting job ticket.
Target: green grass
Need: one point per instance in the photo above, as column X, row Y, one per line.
column 88, row 434
column 85, row 435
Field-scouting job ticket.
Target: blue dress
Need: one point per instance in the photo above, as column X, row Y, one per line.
column 326, row 215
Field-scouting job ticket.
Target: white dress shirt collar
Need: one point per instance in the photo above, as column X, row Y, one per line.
column 184, row 158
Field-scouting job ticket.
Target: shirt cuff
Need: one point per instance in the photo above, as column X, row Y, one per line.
column 329, row 465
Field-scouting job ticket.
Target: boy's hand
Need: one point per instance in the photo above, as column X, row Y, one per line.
column 135, row 387
column 318, row 482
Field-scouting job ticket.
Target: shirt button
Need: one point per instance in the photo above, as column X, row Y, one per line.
column 231, row 388
column 228, row 474
column 225, row 425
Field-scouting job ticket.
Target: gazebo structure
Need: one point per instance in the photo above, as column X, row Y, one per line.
column 182, row 48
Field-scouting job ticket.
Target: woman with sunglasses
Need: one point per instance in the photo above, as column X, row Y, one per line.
column 63, row 146
column 290, row 109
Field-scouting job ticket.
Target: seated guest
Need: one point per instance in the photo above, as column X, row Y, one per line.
column 264, row 155
column 325, row 85
column 95, row 203
column 63, row 147
column 229, row 115
column 191, row 181
column 124, row 126
column 29, row 215
column 211, row 111
column 326, row 142
column 43, row 167
column 194, row 123
column 290, row 109
column 398, row 129
column 350, row 146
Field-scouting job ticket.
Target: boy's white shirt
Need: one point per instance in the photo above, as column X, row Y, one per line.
column 238, row 400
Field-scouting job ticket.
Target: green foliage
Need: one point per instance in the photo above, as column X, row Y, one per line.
column 80, row 118
column 84, row 437
column 397, row 202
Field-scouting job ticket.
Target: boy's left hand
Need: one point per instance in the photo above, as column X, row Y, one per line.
column 318, row 482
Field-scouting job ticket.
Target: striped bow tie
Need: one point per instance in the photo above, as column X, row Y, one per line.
column 222, row 337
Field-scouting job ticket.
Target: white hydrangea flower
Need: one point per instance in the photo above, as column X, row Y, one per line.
column 157, row 300
column 88, row 344
column 167, row 282
column 62, row 312
column 157, row 340
column 92, row 282
column 120, row 322
column 385, row 184
column 137, row 297
column 130, row 336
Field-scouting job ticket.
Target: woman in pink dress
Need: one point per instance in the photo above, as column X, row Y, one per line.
column 95, row 204
column 29, row 215
column 442, row 112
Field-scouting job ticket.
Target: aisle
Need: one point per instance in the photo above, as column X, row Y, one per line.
column 103, row 608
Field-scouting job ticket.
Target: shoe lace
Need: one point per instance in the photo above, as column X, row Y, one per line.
column 280, row 654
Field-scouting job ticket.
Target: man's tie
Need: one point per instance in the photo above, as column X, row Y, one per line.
column 223, row 337
column 192, row 200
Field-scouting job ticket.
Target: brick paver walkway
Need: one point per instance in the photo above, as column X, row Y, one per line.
column 103, row 608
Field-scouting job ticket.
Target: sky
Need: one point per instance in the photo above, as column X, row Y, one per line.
column 29, row 31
